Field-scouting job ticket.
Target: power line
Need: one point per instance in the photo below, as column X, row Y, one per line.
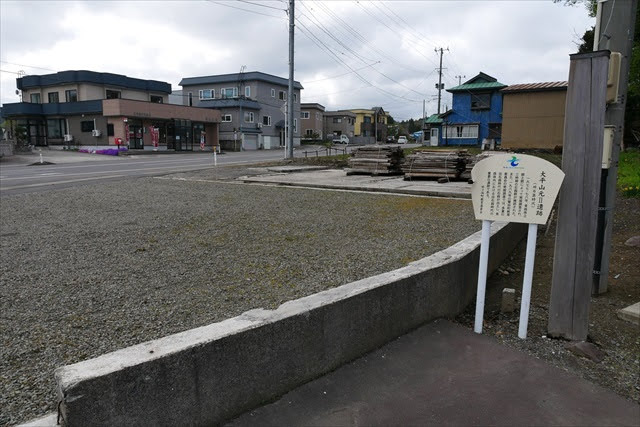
column 342, row 25
column 364, row 60
column 28, row 66
column 305, row 29
column 340, row 75
column 246, row 10
column 262, row 5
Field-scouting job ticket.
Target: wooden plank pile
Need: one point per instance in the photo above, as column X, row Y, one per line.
column 376, row 160
column 448, row 165
column 470, row 163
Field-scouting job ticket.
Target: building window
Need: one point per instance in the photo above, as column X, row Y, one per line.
column 247, row 91
column 226, row 118
column 155, row 99
column 309, row 132
column 481, row 101
column 461, row 131
column 229, row 92
column 248, row 117
column 273, row 93
column 56, row 128
column 110, row 129
column 112, row 94
column 304, row 114
column 282, row 95
column 35, row 98
column 318, row 116
column 53, row 97
column 295, row 97
column 367, row 119
column 86, row 125
column 71, row 95
column 190, row 99
column 266, row 120
column 295, row 125
column 337, row 120
column 207, row 94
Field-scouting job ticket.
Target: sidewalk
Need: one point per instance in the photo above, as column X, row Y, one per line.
column 338, row 179
column 444, row 374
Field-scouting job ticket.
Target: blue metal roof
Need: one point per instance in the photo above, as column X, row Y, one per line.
column 52, row 109
column 235, row 78
column 84, row 76
column 230, row 103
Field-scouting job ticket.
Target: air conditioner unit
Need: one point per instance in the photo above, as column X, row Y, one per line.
column 68, row 138
column 259, row 125
column 96, row 132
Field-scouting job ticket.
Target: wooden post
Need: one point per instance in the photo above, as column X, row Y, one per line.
column 578, row 207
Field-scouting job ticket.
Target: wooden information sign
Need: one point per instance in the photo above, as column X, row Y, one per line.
column 512, row 188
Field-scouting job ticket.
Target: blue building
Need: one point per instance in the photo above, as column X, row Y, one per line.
column 476, row 114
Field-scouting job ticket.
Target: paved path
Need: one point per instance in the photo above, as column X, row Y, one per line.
column 338, row 179
column 444, row 374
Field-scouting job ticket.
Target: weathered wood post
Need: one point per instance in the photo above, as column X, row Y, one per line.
column 578, row 206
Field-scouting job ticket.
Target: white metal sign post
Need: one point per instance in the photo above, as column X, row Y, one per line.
column 512, row 188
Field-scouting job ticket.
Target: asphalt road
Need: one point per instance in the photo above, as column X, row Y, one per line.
column 18, row 174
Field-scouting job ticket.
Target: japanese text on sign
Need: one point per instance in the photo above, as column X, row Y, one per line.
column 515, row 188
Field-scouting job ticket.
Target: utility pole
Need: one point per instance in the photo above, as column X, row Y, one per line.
column 239, row 98
column 614, row 31
column 423, row 117
column 460, row 79
column 440, row 86
column 291, row 107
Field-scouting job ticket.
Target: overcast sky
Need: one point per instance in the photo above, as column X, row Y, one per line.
column 348, row 54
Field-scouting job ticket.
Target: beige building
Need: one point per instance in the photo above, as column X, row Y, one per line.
column 533, row 115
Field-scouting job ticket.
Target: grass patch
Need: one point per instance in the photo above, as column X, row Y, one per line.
column 629, row 173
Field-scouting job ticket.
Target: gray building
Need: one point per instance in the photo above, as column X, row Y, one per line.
column 252, row 107
column 338, row 123
column 311, row 121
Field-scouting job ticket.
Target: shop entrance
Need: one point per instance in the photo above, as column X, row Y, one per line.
column 136, row 141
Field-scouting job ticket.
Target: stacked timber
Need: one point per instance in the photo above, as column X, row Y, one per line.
column 439, row 164
column 470, row 163
column 376, row 160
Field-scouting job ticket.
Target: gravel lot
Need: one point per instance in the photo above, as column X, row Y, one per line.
column 94, row 268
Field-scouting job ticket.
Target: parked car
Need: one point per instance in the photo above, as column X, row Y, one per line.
column 342, row 139
column 402, row 139
column 391, row 140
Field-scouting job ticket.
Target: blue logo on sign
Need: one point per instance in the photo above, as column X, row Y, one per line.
column 514, row 161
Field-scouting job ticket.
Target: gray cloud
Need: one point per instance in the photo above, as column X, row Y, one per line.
column 513, row 41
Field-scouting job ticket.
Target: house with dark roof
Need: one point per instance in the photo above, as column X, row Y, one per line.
column 311, row 120
column 533, row 115
column 80, row 107
column 252, row 106
column 476, row 114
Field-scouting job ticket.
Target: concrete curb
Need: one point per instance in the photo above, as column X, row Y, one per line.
column 211, row 374
column 365, row 188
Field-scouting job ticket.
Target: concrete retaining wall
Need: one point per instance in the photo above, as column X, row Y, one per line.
column 211, row 374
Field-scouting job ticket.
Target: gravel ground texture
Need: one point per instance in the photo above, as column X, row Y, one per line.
column 94, row 268
column 618, row 339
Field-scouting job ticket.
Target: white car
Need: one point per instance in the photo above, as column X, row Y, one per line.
column 342, row 139
column 402, row 139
